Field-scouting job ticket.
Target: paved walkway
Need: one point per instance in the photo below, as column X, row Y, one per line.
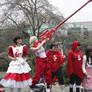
column 54, row 89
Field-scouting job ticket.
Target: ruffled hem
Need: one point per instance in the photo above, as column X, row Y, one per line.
column 13, row 84
column 17, row 77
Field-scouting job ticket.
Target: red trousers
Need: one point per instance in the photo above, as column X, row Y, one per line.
column 42, row 68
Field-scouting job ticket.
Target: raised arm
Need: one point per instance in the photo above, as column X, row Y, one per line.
column 38, row 47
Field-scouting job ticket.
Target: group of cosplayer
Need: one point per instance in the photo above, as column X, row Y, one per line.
column 48, row 64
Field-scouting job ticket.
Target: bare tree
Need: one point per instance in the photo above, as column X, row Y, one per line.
column 34, row 13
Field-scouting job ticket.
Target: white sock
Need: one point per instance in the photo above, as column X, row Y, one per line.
column 31, row 90
column 47, row 89
column 62, row 87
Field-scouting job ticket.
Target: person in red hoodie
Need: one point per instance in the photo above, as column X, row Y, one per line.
column 56, row 59
column 74, row 66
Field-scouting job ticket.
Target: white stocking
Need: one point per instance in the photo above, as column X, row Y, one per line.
column 31, row 90
column 62, row 88
column 47, row 89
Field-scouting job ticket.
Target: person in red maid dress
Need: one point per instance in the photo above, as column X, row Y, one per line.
column 56, row 59
column 17, row 75
column 42, row 64
column 87, row 70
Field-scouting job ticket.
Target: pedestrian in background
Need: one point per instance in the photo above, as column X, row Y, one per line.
column 87, row 70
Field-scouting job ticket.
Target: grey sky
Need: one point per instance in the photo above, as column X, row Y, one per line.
column 67, row 7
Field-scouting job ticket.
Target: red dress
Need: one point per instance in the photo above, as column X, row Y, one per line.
column 18, row 71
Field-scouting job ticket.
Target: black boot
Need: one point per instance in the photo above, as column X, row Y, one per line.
column 77, row 89
column 71, row 90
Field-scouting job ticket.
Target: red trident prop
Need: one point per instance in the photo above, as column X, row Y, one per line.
column 48, row 34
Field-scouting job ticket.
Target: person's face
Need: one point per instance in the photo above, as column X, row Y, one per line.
column 78, row 48
column 54, row 47
column 19, row 41
column 36, row 40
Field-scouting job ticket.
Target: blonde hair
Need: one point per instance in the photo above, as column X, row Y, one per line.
column 32, row 39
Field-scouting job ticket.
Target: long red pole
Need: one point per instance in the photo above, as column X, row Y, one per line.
column 72, row 15
column 48, row 34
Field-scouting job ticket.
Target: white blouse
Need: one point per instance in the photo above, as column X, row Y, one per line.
column 41, row 53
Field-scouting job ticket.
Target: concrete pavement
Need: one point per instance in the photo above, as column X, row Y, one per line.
column 54, row 89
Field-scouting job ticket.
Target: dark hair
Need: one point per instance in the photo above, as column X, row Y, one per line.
column 53, row 44
column 16, row 38
column 88, row 50
column 79, row 44
column 88, row 55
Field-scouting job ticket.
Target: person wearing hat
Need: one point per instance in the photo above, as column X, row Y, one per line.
column 74, row 66
column 17, row 75
column 56, row 60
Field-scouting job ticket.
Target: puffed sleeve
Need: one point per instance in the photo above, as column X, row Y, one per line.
column 25, row 51
column 10, row 51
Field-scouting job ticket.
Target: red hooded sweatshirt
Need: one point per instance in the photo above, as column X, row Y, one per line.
column 74, row 63
column 55, row 58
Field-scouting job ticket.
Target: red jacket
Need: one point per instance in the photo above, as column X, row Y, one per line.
column 55, row 58
column 74, row 63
